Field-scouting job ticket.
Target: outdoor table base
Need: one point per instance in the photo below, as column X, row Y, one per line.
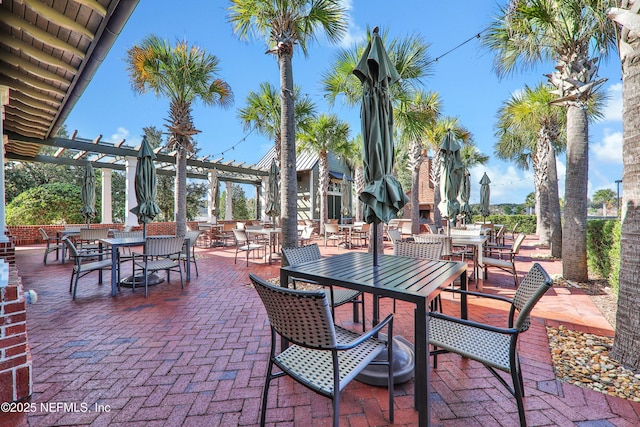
column 403, row 363
column 152, row 280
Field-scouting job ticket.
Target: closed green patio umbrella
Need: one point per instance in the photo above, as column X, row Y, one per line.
column 145, row 186
column 464, row 196
column 273, row 195
column 451, row 172
column 382, row 196
column 484, row 196
column 215, row 196
column 88, row 194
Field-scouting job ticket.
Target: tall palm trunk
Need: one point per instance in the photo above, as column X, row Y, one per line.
column 323, row 185
column 181, row 192
column 574, row 233
column 415, row 160
column 626, row 343
column 540, row 167
column 288, row 198
column 555, row 221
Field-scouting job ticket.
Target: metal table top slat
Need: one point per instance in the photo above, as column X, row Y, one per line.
column 394, row 275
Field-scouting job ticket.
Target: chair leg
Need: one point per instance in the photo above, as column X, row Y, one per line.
column 75, row 286
column 195, row 264
column 146, row 281
column 336, row 408
column 265, row 393
column 73, row 273
column 518, row 394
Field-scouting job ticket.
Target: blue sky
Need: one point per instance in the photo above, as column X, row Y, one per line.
column 468, row 87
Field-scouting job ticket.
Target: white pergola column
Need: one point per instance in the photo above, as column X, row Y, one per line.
column 229, row 205
column 4, row 100
column 107, row 202
column 130, row 191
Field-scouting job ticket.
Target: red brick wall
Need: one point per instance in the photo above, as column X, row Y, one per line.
column 28, row 234
column 15, row 356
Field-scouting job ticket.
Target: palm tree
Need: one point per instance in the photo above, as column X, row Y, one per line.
column 434, row 135
column 412, row 108
column 529, row 132
column 575, row 34
column 285, row 24
column 326, row 133
column 183, row 74
column 626, row 342
column 263, row 113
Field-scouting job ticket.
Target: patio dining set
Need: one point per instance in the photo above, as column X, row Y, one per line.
column 99, row 249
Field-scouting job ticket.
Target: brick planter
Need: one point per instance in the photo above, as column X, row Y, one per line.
column 16, row 381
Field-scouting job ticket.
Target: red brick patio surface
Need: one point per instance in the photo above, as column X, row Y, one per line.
column 198, row 356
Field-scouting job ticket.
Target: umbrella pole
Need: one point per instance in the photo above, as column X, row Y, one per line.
column 144, row 230
column 375, row 244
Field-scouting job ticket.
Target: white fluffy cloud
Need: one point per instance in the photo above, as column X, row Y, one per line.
column 120, row 134
column 613, row 110
column 355, row 34
column 609, row 148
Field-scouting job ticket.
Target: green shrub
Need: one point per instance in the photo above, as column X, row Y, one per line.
column 603, row 249
column 54, row 203
column 614, row 255
column 527, row 223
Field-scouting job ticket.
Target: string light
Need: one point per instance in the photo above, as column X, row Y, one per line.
column 244, row 138
column 233, row 147
column 475, row 36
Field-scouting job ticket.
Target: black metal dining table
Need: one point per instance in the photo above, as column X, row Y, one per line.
column 413, row 280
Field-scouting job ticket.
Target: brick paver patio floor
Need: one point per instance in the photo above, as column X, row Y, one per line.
column 198, row 356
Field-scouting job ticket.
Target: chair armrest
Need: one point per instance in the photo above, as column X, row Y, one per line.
column 479, row 294
column 372, row 332
column 311, row 282
column 491, row 328
column 92, row 254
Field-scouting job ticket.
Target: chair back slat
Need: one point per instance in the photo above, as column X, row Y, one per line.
column 294, row 256
column 240, row 236
column 125, row 234
column 531, row 289
column 517, row 243
column 73, row 252
column 43, row 234
column 162, row 245
column 394, row 235
column 464, row 232
column 91, row 234
column 192, row 236
column 420, row 250
column 302, row 317
column 331, row 228
column 431, row 238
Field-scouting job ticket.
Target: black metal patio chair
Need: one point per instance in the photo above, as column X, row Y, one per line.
column 495, row 347
column 337, row 296
column 321, row 356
